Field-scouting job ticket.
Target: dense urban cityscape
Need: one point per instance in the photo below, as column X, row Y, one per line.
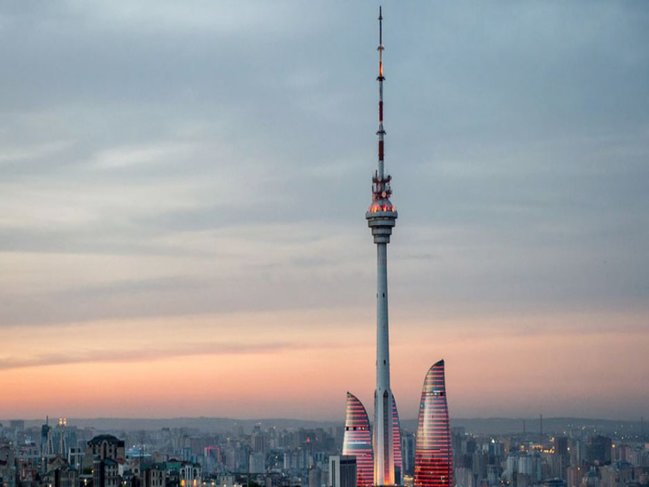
column 366, row 447
column 584, row 453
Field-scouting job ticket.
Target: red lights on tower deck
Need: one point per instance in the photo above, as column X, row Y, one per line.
column 381, row 192
column 376, row 207
column 433, row 454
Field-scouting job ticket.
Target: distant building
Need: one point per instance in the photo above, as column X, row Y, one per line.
column 17, row 424
column 464, row 477
column 598, row 451
column 408, row 453
column 104, row 454
column 190, row 474
column 104, row 447
column 155, row 476
column 591, row 479
column 561, row 446
column 46, row 441
column 257, row 463
column 105, row 473
column 258, row 440
column 619, row 474
column 75, row 457
column 342, row 471
column 315, row 477
column 7, row 466
column 62, row 475
column 530, row 464
column 562, row 453
column 554, row 483
column 574, row 475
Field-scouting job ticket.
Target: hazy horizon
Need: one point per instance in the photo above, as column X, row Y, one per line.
column 531, row 419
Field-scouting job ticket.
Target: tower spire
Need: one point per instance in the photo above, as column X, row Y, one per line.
column 381, row 190
column 381, row 217
column 381, row 78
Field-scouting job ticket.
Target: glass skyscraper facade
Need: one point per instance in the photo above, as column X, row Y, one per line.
column 396, row 442
column 358, row 441
column 433, row 454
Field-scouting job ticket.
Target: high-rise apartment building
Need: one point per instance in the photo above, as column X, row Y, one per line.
column 342, row 471
column 408, row 453
column 598, row 450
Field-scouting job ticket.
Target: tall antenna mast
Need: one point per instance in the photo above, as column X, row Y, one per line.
column 381, row 78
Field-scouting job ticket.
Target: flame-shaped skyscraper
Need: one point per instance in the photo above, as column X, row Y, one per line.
column 433, row 454
column 381, row 217
column 358, row 441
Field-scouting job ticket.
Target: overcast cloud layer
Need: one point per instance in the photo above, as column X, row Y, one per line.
column 165, row 159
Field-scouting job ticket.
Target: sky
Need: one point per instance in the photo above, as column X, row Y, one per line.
column 183, row 188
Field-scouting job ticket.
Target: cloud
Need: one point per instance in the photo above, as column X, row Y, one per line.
column 148, row 354
column 162, row 159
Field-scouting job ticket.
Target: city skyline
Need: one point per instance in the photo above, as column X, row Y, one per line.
column 183, row 192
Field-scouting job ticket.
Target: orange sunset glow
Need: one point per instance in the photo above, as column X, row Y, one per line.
column 204, row 365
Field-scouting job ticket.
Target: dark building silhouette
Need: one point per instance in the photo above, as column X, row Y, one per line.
column 598, row 450
column 342, row 471
column 104, row 454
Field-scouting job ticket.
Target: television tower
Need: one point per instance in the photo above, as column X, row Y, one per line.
column 381, row 217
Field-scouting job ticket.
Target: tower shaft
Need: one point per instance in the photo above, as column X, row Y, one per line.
column 382, row 328
column 381, row 218
column 383, row 431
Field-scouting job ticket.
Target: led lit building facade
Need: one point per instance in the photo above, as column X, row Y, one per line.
column 433, row 454
column 357, row 441
column 396, row 442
